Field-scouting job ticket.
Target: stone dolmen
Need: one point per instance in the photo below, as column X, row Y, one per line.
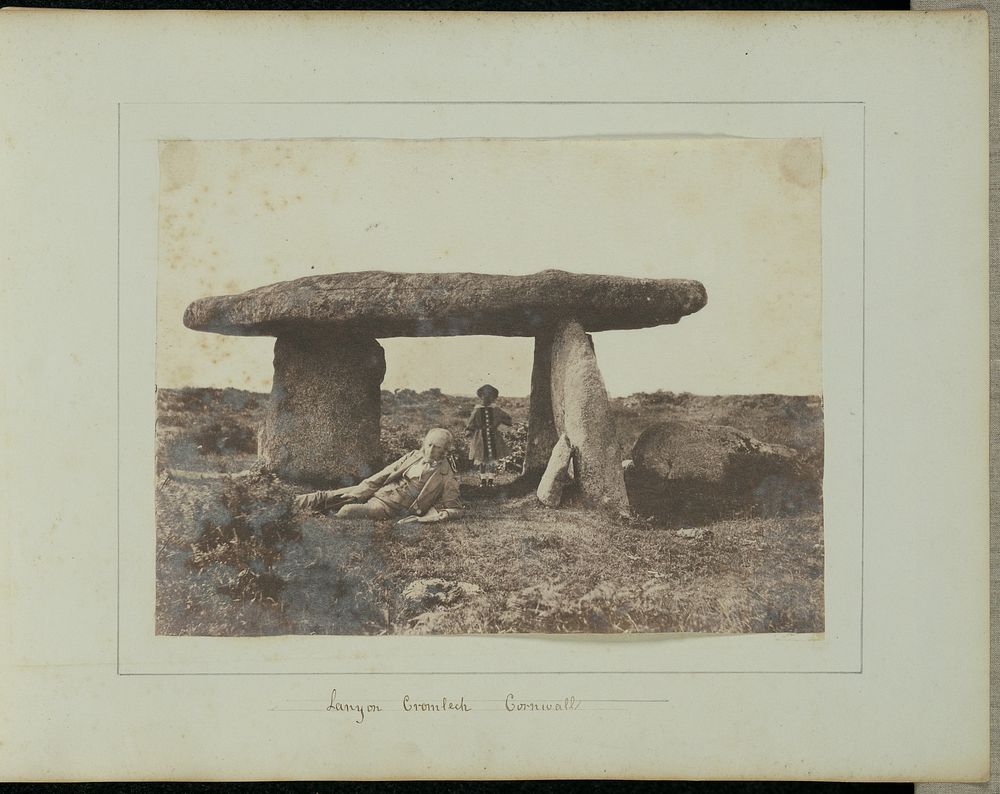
column 325, row 406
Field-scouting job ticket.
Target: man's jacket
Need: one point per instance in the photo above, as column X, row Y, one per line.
column 440, row 490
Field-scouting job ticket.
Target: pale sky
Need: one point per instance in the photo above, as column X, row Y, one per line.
column 741, row 216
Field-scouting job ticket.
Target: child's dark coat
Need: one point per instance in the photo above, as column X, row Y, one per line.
column 486, row 443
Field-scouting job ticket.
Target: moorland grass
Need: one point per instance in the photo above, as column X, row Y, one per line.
column 233, row 559
column 536, row 570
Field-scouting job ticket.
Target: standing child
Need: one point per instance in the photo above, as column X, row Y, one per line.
column 487, row 446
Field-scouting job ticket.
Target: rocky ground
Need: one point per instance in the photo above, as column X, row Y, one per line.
column 233, row 558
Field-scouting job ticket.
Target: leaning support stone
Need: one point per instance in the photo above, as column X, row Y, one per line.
column 321, row 426
column 582, row 411
column 542, row 433
column 556, row 475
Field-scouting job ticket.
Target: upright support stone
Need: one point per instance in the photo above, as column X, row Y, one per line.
column 582, row 411
column 542, row 434
column 321, row 426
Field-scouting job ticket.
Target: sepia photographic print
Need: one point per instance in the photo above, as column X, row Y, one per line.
column 484, row 386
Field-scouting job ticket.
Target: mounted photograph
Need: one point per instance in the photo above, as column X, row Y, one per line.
column 485, row 386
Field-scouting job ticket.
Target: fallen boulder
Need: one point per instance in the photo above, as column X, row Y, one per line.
column 688, row 472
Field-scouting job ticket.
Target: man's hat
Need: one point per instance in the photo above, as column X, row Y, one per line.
column 485, row 389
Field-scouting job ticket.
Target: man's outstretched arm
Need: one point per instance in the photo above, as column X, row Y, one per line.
column 451, row 504
column 367, row 487
column 364, row 490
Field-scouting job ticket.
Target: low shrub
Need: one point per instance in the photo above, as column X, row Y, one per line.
column 224, row 436
column 249, row 539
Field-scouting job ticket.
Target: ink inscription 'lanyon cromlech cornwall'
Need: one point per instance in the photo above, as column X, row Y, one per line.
column 629, row 442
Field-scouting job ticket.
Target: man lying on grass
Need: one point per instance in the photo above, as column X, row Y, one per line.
column 420, row 486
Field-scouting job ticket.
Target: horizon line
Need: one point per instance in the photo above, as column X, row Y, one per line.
column 526, row 396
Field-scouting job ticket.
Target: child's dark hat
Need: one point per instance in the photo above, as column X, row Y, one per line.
column 485, row 389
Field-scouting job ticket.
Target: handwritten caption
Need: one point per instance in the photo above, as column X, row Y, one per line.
column 512, row 704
